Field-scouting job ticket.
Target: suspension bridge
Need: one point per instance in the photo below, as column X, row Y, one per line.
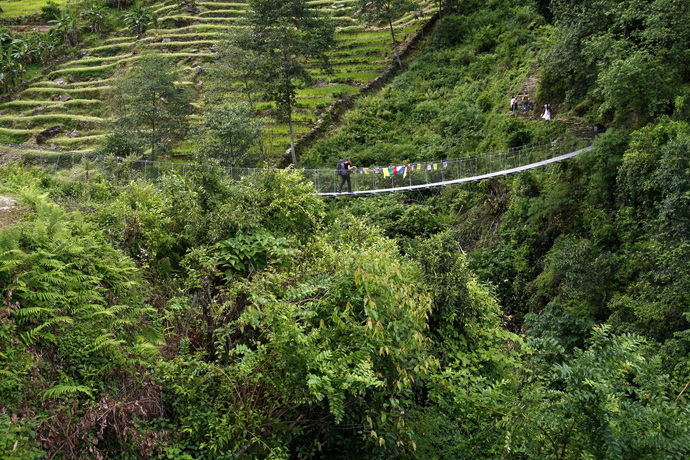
column 327, row 182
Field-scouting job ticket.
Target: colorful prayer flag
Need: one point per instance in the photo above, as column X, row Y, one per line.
column 386, row 172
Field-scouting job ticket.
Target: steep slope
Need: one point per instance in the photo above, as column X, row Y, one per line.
column 74, row 95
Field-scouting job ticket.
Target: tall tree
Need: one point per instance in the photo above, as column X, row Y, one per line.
column 237, row 65
column 152, row 104
column 230, row 132
column 377, row 11
column 285, row 34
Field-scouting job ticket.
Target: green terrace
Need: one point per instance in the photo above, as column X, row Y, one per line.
column 76, row 93
column 15, row 9
column 360, row 55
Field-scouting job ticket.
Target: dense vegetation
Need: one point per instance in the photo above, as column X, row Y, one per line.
column 539, row 316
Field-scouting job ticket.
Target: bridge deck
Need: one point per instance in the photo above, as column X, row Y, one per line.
column 504, row 172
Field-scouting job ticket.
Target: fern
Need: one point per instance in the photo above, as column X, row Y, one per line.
column 58, row 391
column 31, row 311
column 104, row 341
column 149, row 334
column 30, row 336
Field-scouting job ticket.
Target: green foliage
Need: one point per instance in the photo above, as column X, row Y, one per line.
column 123, row 142
column 96, row 15
column 18, row 440
column 72, row 294
column 235, row 64
column 577, row 274
column 474, row 350
column 451, row 324
column 607, row 400
column 449, row 32
column 342, row 343
column 284, row 34
column 66, row 29
column 386, row 11
column 138, row 20
column 50, row 11
column 246, row 254
column 153, row 104
column 59, row 391
column 628, row 56
column 230, row 133
column 449, row 103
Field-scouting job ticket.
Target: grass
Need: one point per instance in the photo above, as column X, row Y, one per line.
column 80, row 141
column 18, row 8
column 360, row 55
column 49, row 106
column 52, row 118
column 107, row 50
column 324, row 90
column 83, row 72
column 78, row 93
column 14, row 136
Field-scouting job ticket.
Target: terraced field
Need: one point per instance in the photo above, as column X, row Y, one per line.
column 74, row 96
column 13, row 9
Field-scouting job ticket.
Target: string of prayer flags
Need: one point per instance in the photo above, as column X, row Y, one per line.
column 404, row 169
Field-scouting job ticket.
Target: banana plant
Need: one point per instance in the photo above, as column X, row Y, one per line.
column 20, row 50
column 95, row 15
column 9, row 69
column 67, row 28
column 138, row 21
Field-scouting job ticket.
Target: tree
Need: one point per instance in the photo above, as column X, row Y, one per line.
column 630, row 57
column 234, row 64
column 607, row 401
column 138, row 21
column 230, row 133
column 153, row 104
column 66, row 29
column 96, row 15
column 285, row 33
column 376, row 11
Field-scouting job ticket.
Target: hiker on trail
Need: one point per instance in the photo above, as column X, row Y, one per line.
column 547, row 112
column 344, row 169
column 513, row 105
column 525, row 103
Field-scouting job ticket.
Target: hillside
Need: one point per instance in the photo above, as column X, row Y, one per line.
column 543, row 315
column 75, row 93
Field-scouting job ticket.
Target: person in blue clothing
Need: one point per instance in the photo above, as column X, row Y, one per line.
column 344, row 168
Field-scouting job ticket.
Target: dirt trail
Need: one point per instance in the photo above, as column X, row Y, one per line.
column 8, row 211
column 28, row 28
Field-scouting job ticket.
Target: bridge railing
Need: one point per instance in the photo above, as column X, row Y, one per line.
column 421, row 174
column 85, row 167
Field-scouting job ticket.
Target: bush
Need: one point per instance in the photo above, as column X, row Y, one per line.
column 122, row 143
column 50, row 11
column 451, row 31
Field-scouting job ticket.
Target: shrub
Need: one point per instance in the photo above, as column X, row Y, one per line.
column 50, row 11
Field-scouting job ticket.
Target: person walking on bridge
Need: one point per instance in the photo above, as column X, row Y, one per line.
column 344, row 168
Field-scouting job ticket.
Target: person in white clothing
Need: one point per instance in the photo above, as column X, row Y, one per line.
column 547, row 112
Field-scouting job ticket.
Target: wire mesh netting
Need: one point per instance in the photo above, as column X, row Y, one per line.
column 84, row 167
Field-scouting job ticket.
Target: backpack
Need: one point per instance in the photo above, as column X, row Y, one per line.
column 341, row 168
